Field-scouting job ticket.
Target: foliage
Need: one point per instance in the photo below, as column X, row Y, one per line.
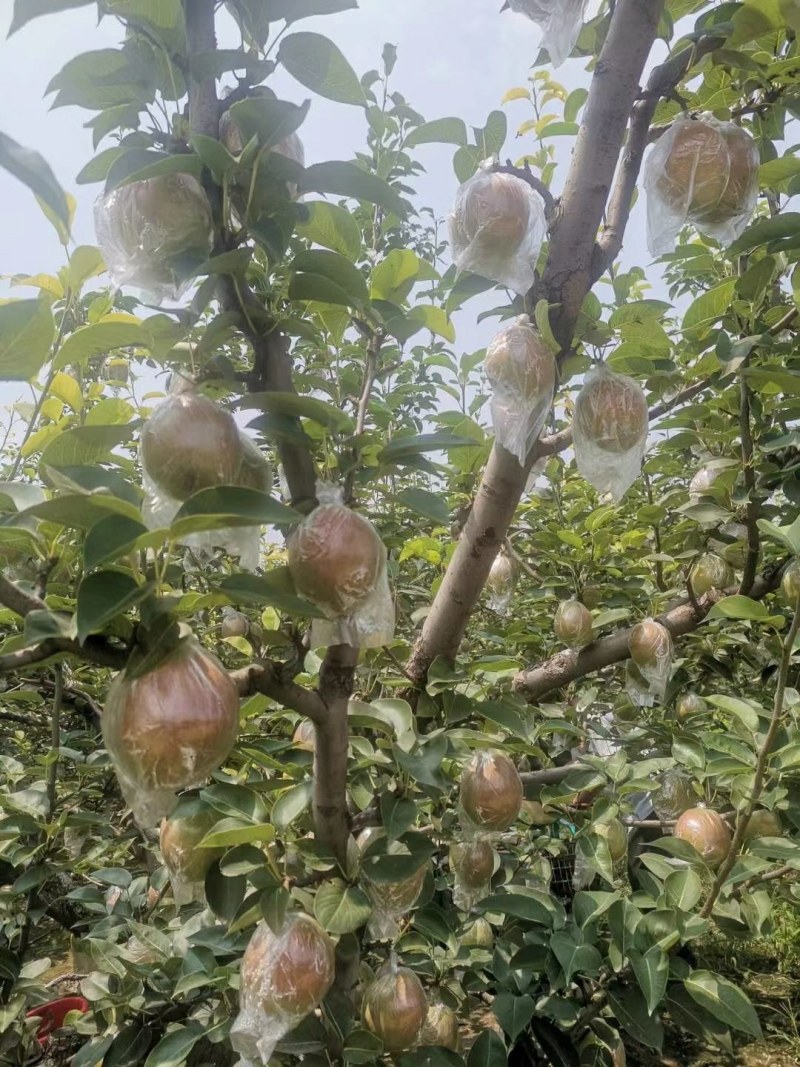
column 384, row 401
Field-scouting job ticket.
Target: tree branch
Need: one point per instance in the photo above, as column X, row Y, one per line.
column 331, row 821
column 566, row 281
column 201, row 38
column 267, row 678
column 526, row 174
column 748, row 469
column 566, row 667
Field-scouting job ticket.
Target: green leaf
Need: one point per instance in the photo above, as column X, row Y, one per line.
column 394, row 276
column 709, row 308
column 533, row 905
column 743, row 711
column 275, row 588
column 291, row 804
column 269, row 120
column 104, row 595
column 488, row 1051
column 332, row 227
column 775, row 172
column 182, row 163
column 27, row 330
column 97, row 340
column 230, row 832
column 301, row 407
column 78, row 510
column 573, row 954
column 84, row 263
column 773, row 232
column 630, row 1008
column 724, row 1001
column 513, row 1012
column 224, row 894
column 401, row 449
column 348, row 179
column 229, row 505
column 688, row 1014
column 652, row 971
column 292, row 10
column 398, row 814
column 101, row 79
column 129, row 1047
column 317, row 63
column 335, row 268
column 440, row 131
column 173, row 1049
column 683, row 889
column 341, row 909
column 111, row 538
column 435, row 319
column 421, row 502
column 395, row 715
column 84, row 445
column 742, row 607
column 34, row 171
column 25, row 10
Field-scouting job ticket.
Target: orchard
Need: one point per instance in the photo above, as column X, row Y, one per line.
column 366, row 696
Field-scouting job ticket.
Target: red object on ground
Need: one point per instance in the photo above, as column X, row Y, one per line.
column 53, row 1014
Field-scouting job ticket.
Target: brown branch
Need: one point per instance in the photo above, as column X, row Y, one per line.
column 748, row 469
column 331, row 819
column 17, row 600
column 759, row 777
column 374, row 346
column 268, row 678
column 55, row 740
column 201, row 38
column 94, row 650
column 526, row 174
column 551, row 775
column 566, row 667
column 662, row 82
column 566, row 281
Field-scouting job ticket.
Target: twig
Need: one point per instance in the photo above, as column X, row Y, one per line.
column 526, row 174
column 761, row 769
column 55, row 740
column 331, row 819
column 751, row 509
column 370, row 370
column 269, row 678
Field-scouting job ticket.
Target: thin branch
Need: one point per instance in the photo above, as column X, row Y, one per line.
column 331, row 818
column 759, row 777
column 94, row 650
column 748, row 468
column 17, row 600
column 267, row 678
column 55, row 740
column 526, row 175
column 370, row 370
column 566, row 667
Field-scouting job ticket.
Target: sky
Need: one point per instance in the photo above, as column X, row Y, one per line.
column 456, row 57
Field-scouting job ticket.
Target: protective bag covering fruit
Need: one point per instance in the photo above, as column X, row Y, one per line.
column 490, row 795
column 500, row 583
column 391, row 901
column 284, row 977
column 290, row 147
column 472, row 863
column 155, row 233
column 497, row 227
column 561, row 22
column 394, row 1007
column 169, row 729
column 704, row 172
column 441, row 1027
column 188, row 865
column 338, row 562
column 710, row 572
column 650, row 647
column 707, row 831
column 675, row 795
column 522, row 374
column 573, row 624
column 191, row 443
column 609, row 430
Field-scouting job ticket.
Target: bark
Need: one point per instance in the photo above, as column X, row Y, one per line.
column 331, row 822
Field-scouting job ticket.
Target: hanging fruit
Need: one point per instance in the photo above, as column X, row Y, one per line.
column 394, row 1007
column 707, row 832
column 573, row 624
column 491, row 792
column 609, row 431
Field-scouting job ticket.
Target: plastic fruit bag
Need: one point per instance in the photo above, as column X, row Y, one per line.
column 522, row 375
column 155, row 233
column 500, row 583
column 490, row 795
column 290, row 147
column 284, row 977
column 472, row 863
column 650, row 647
column 675, row 795
column 573, row 624
column 394, row 1007
column 188, row 865
column 704, row 172
column 391, row 901
column 561, row 22
column 338, row 563
column 609, row 431
column 497, row 227
column 169, row 729
column 191, row 443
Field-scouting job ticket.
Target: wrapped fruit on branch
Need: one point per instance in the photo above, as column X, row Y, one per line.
column 707, row 831
column 191, row 443
column 180, row 836
column 252, row 193
column 610, row 431
column 615, row 836
column 561, row 22
column 710, row 572
column 394, row 1007
column 170, row 728
column 573, row 624
column 391, row 901
column 675, row 795
column 490, row 796
column 650, row 647
column 701, row 483
column 441, row 1027
column 155, row 233
column 522, row 374
column 763, row 823
column 501, row 582
column 497, row 227
column 284, row 977
column 472, row 863
column 338, row 562
column 704, row 172
column 790, row 584
column 689, row 704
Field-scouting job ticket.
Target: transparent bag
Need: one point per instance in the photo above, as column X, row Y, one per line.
column 650, row 666
column 284, row 977
column 191, row 443
column 472, row 862
column 561, row 22
column 169, row 729
column 338, row 563
column 522, row 374
column 675, row 795
column 179, row 838
column 490, row 795
column 154, row 234
column 500, row 583
column 497, row 227
column 391, row 901
column 609, row 431
column 704, row 172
